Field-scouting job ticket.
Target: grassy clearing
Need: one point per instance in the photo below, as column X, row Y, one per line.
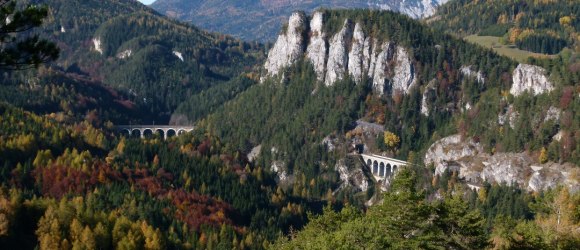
column 506, row 50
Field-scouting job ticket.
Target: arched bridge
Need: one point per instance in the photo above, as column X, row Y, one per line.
column 148, row 130
column 382, row 167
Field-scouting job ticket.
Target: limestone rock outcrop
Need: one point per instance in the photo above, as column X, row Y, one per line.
column 125, row 54
column 317, row 48
column 282, row 176
column 178, row 54
column 467, row 71
column 254, row 153
column 553, row 114
column 550, row 175
column 289, row 47
column 380, row 73
column 356, row 56
column 97, row 44
column 475, row 166
column 388, row 66
column 530, row 78
column 511, row 116
column 404, row 77
column 352, row 176
column 337, row 64
column 372, row 55
column 428, row 94
column 445, row 153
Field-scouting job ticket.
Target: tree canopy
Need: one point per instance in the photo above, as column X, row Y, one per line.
column 20, row 48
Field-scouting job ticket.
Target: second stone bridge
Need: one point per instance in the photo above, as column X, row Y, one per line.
column 142, row 131
column 381, row 166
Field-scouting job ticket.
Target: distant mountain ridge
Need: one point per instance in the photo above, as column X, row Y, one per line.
column 261, row 20
column 154, row 63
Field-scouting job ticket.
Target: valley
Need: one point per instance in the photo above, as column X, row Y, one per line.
column 357, row 124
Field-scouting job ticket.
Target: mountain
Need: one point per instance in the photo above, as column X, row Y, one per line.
column 261, row 20
column 338, row 82
column 454, row 105
column 151, row 62
column 492, row 144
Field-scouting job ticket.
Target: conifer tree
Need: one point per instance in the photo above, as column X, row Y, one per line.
column 18, row 51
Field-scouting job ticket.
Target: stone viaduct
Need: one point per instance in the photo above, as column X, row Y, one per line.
column 148, row 130
column 382, row 167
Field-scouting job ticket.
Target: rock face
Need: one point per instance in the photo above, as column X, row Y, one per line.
column 178, row 55
column 550, row 175
column 507, row 168
column 97, row 44
column 317, row 49
column 282, row 177
column 553, row 113
column 427, row 94
column 389, row 67
column 337, row 54
column 467, row 71
column 351, row 176
column 530, row 78
column 476, row 166
column 404, row 72
column 445, row 153
column 254, row 153
column 356, row 56
column 289, row 47
column 510, row 115
column 125, row 54
column 380, row 72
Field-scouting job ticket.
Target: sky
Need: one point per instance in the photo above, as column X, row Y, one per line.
column 147, row 1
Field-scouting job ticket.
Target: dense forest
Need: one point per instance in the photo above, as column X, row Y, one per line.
column 78, row 186
column 152, row 63
column 81, row 187
column 405, row 221
column 542, row 26
column 301, row 112
column 68, row 180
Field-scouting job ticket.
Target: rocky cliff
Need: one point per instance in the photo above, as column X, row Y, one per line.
column 348, row 53
column 530, row 78
column 336, row 66
column 476, row 166
column 317, row 48
column 468, row 71
column 353, row 175
column 357, row 61
column 289, row 47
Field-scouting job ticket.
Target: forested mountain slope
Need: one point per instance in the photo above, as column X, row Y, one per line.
column 269, row 156
column 261, row 20
column 70, row 186
column 539, row 26
column 153, row 62
column 331, row 69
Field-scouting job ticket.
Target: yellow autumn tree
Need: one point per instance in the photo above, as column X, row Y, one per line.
column 543, row 155
column 6, row 213
column 391, row 139
column 565, row 20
